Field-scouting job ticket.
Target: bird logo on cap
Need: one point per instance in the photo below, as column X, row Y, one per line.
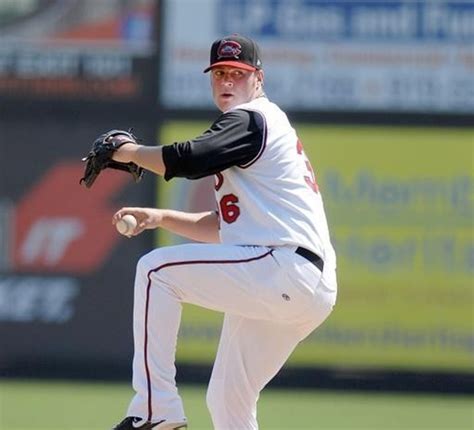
column 229, row 49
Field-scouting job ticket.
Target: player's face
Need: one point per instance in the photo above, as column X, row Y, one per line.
column 232, row 86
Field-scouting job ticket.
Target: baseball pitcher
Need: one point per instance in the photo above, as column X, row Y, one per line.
column 264, row 257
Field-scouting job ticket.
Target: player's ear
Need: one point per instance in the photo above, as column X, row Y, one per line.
column 260, row 76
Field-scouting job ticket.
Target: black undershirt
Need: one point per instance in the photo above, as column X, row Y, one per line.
column 234, row 139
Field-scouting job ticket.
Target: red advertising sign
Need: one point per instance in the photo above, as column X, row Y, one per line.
column 62, row 227
column 65, row 272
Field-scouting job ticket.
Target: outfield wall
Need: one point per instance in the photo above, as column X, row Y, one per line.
column 399, row 201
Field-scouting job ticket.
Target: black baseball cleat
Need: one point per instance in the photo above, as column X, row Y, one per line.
column 128, row 424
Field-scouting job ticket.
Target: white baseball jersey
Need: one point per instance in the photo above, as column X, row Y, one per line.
column 274, row 199
column 266, row 189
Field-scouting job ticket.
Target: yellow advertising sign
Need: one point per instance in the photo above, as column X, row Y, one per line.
column 400, row 206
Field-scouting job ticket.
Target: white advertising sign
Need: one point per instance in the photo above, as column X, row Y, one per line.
column 394, row 56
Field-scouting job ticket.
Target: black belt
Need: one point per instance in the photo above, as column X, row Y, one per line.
column 312, row 257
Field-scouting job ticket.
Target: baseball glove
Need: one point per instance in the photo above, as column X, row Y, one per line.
column 100, row 156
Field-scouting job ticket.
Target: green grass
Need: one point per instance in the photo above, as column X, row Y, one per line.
column 95, row 406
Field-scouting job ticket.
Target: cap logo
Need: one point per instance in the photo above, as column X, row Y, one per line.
column 229, row 49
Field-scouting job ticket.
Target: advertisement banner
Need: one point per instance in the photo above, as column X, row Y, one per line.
column 400, row 204
column 77, row 50
column 346, row 55
column 66, row 275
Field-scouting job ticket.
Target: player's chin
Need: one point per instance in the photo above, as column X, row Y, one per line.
column 225, row 102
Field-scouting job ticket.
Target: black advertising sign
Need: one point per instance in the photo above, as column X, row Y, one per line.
column 77, row 50
column 66, row 275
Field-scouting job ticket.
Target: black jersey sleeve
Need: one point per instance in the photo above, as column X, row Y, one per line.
column 234, row 139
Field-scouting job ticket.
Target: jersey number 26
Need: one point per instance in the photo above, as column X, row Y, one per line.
column 228, row 205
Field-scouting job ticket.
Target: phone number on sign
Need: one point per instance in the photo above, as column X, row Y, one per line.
column 373, row 92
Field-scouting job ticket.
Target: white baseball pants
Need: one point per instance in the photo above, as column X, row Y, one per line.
column 272, row 299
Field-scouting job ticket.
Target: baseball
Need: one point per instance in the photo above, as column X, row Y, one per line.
column 126, row 225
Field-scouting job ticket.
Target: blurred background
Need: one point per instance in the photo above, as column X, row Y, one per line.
column 382, row 96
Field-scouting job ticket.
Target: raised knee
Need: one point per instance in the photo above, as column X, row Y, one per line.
column 143, row 266
column 149, row 262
